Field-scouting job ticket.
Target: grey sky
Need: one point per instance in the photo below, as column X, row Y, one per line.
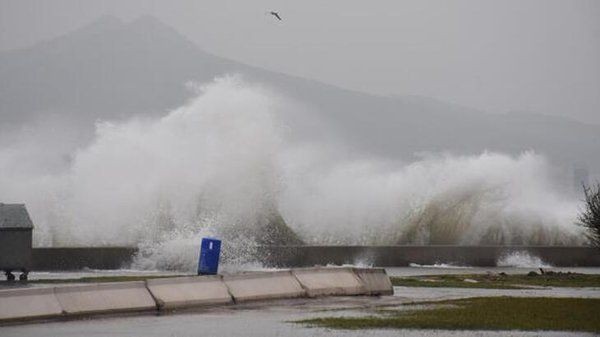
column 540, row 56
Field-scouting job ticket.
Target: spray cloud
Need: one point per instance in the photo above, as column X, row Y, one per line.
column 222, row 161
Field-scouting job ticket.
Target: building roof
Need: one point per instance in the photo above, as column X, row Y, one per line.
column 14, row 216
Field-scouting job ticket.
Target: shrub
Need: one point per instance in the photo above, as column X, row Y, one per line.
column 589, row 218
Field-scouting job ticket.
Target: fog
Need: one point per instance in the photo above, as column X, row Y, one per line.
column 539, row 56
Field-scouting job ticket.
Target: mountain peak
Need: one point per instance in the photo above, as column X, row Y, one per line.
column 148, row 20
column 150, row 25
column 103, row 23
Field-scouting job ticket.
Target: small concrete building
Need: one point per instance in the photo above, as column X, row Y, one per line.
column 15, row 240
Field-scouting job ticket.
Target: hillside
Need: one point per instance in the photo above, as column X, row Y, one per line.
column 111, row 69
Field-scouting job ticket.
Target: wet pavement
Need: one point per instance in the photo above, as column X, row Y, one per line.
column 266, row 319
column 439, row 294
column 444, row 269
column 273, row 318
column 391, row 271
column 56, row 276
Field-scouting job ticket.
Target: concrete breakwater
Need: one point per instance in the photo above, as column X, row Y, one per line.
column 74, row 258
column 154, row 295
column 306, row 256
column 399, row 256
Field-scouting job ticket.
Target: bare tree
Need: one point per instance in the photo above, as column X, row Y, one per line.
column 589, row 218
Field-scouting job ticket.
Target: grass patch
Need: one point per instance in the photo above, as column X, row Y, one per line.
column 483, row 313
column 500, row 281
column 102, row 279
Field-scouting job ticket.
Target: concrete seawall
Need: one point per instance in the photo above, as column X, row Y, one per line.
column 398, row 256
column 306, row 256
column 73, row 258
column 153, row 295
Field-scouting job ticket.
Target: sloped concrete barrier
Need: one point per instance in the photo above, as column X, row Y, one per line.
column 263, row 286
column 375, row 280
column 169, row 293
column 329, row 281
column 28, row 303
column 180, row 292
column 105, row 298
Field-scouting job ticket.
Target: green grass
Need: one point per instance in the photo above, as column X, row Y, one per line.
column 483, row 313
column 102, row 279
column 496, row 281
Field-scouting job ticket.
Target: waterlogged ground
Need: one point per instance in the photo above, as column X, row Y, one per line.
column 487, row 313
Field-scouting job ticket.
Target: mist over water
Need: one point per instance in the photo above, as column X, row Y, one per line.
column 223, row 162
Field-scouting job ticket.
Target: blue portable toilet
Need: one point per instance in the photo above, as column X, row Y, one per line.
column 208, row 263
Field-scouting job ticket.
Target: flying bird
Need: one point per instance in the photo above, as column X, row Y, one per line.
column 275, row 14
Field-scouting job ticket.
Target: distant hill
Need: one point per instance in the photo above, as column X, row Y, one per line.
column 111, row 69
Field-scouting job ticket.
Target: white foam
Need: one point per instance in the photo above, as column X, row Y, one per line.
column 438, row 265
column 521, row 260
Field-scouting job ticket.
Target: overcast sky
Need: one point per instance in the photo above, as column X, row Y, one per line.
column 540, row 56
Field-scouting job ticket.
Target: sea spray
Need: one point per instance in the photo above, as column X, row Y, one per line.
column 223, row 164
column 521, row 259
column 442, row 199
